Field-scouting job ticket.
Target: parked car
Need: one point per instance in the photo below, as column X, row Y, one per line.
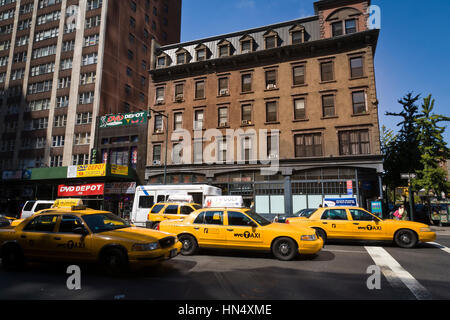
column 302, row 213
column 33, row 206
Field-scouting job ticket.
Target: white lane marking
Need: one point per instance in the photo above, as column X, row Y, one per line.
column 440, row 246
column 394, row 272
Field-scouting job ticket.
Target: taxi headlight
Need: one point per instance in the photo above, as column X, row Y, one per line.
column 145, row 246
column 310, row 237
column 427, row 229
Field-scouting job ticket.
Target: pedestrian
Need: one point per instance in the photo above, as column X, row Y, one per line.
column 400, row 213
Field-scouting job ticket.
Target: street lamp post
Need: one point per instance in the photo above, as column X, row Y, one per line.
column 167, row 140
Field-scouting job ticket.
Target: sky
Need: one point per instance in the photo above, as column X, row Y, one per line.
column 413, row 48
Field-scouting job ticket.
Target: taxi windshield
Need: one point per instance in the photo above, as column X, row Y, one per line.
column 104, row 222
column 261, row 220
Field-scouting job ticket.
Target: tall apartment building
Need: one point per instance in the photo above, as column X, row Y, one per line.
column 63, row 63
column 298, row 97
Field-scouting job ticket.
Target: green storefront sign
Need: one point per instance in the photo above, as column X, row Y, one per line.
column 124, row 119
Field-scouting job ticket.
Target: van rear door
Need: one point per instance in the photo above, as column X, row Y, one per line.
column 145, row 202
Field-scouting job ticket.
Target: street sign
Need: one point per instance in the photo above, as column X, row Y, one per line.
column 408, row 176
column 349, row 187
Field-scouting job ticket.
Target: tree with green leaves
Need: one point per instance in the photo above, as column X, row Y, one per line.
column 433, row 149
column 402, row 154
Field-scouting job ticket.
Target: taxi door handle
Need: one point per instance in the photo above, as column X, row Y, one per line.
column 324, row 222
column 23, row 237
column 230, row 229
column 196, row 228
column 356, row 223
column 57, row 238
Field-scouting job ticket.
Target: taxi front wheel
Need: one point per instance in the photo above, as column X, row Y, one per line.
column 189, row 245
column 284, row 249
column 405, row 238
column 114, row 261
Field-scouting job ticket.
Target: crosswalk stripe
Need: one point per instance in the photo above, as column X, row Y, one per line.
column 440, row 246
column 394, row 272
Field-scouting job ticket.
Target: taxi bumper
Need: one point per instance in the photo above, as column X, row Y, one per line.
column 154, row 257
column 310, row 247
column 427, row 236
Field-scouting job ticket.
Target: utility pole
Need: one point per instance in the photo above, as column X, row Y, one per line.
column 409, row 176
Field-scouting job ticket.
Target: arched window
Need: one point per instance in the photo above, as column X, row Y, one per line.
column 344, row 21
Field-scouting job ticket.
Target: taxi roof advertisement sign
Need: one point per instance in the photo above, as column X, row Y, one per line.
column 224, row 202
column 340, row 202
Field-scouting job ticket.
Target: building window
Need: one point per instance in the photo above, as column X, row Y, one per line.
column 161, row 62
column 223, row 117
column 246, row 82
column 354, row 142
column 82, row 138
column 177, row 121
column 181, row 58
column 199, row 89
column 298, row 75
column 56, row 161
column 270, row 41
column 160, row 95
column 159, row 124
column 58, row 141
column 179, row 92
column 299, row 109
column 84, row 118
column 356, row 67
column 308, row 145
column 80, row 159
column 198, row 151
column 271, row 79
column 157, row 154
column 326, row 71
column 328, row 105
column 359, row 102
column 271, row 112
column 246, row 114
column 337, row 29
column 223, row 86
column 246, row 46
column 350, row 26
column 60, row 121
column 198, row 119
column 224, row 50
column 201, row 54
column 222, row 149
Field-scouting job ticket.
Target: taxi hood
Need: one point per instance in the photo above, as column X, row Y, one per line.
column 137, row 234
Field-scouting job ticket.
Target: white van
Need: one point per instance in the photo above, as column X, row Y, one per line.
column 33, row 206
column 146, row 196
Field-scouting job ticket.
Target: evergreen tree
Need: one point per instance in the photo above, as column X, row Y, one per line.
column 402, row 154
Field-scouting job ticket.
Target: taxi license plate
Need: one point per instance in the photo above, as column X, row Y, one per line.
column 173, row 253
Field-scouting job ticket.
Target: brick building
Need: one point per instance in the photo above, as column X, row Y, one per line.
column 63, row 64
column 298, row 96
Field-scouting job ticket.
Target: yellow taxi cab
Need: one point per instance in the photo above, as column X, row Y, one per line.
column 225, row 223
column 79, row 234
column 355, row 223
column 59, row 203
column 170, row 210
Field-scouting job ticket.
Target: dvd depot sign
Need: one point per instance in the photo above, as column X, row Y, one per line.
column 93, row 189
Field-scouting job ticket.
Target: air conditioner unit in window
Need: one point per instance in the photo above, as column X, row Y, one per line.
column 156, row 162
column 158, row 130
column 271, row 86
column 160, row 101
column 179, row 98
column 224, row 124
column 273, row 156
column 246, row 122
column 224, row 92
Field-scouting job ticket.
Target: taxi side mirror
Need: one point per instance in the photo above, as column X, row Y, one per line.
column 252, row 224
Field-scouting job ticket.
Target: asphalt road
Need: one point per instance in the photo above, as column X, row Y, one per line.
column 339, row 271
